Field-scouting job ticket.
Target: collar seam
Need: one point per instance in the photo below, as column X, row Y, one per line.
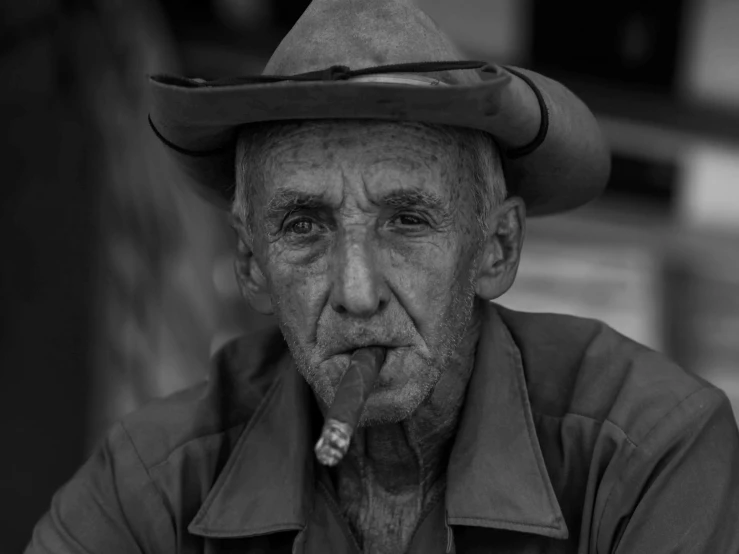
column 241, row 533
column 477, row 520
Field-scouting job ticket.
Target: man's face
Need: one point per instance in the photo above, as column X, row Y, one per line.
column 369, row 237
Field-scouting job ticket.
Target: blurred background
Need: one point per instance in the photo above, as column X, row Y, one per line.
column 117, row 283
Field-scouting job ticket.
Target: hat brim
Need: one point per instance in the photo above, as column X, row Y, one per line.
column 569, row 167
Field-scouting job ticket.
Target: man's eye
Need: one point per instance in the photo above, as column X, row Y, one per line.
column 409, row 220
column 300, row 226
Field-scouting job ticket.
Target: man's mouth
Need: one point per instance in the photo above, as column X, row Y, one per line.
column 349, row 350
column 352, row 350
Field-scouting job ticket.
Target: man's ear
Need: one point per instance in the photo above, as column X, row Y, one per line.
column 251, row 280
column 502, row 249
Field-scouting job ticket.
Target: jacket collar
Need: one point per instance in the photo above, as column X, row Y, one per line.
column 496, row 476
column 267, row 483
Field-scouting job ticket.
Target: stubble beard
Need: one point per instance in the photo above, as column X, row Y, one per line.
column 455, row 325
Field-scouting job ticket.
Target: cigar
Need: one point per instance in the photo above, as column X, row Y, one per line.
column 352, row 394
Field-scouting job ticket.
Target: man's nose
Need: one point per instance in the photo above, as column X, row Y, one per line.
column 358, row 288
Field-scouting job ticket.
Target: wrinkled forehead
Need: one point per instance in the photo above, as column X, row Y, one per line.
column 316, row 157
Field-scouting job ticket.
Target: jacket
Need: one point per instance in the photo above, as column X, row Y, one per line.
column 572, row 439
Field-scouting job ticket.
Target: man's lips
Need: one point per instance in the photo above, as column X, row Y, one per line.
column 351, row 348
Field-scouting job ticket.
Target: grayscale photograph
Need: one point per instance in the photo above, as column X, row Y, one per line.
column 370, row 277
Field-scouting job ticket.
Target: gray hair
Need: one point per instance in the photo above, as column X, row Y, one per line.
column 478, row 160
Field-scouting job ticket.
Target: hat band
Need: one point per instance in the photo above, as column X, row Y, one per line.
column 333, row 73
column 397, row 79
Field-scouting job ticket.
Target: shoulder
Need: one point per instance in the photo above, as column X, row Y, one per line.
column 147, row 478
column 582, row 367
column 207, row 415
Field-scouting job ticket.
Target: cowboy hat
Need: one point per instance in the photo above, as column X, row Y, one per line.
column 387, row 60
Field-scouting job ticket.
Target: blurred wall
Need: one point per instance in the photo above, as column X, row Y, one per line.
column 710, row 71
column 104, row 300
column 47, row 235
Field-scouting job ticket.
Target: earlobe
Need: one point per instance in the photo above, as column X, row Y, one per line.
column 502, row 249
column 251, row 280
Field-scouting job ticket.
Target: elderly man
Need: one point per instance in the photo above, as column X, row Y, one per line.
column 380, row 205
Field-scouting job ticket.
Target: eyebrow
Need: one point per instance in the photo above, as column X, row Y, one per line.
column 413, row 199
column 287, row 200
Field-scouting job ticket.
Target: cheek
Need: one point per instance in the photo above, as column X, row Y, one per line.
column 426, row 280
column 298, row 294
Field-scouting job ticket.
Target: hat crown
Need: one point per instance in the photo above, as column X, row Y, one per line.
column 364, row 33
